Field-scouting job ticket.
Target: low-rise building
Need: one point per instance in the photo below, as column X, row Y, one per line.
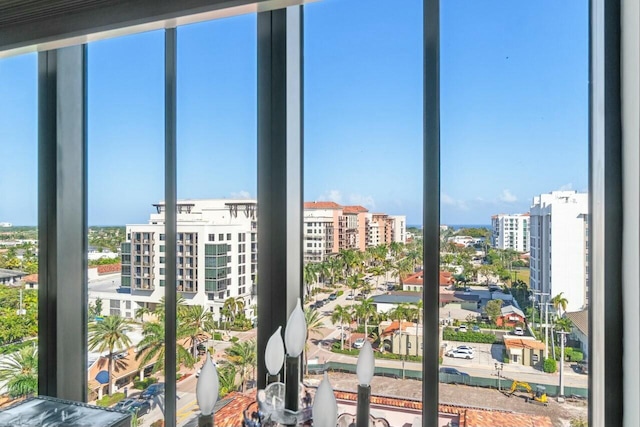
column 580, row 329
column 414, row 282
column 403, row 338
column 9, row 277
column 510, row 316
column 524, row 351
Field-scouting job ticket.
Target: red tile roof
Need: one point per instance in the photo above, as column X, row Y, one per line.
column 446, row 279
column 355, row 209
column 31, row 278
column 395, row 325
column 231, row 414
column 109, row 268
column 469, row 416
column 526, row 344
column 321, row 205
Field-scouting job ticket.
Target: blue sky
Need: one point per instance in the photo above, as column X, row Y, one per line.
column 514, row 111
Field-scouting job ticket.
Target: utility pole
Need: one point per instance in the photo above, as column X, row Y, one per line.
column 562, row 338
column 546, row 330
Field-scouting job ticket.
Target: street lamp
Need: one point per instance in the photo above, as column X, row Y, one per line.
column 499, row 367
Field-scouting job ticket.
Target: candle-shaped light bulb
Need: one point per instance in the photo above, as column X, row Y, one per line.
column 274, row 352
column 207, row 387
column 325, row 407
column 295, row 334
column 366, row 364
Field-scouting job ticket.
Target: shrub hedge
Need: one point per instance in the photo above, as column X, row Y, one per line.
column 141, row 385
column 449, row 334
column 549, row 366
column 378, row 355
column 110, row 400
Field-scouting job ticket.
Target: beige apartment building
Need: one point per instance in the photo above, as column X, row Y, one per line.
column 330, row 227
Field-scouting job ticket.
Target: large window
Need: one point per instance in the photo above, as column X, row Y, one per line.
column 18, row 229
column 515, row 206
column 217, row 206
column 125, row 179
column 362, row 221
column 512, row 98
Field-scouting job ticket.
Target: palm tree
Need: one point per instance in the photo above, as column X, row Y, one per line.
column 152, row 346
column 243, row 354
column 227, row 377
column 197, row 321
column 341, row 315
column 355, row 282
column 109, row 335
column 181, row 304
column 19, row 371
column 314, row 323
column 418, row 312
column 377, row 271
column 140, row 312
column 563, row 324
column 559, row 301
column 310, row 276
column 365, row 311
column 403, row 268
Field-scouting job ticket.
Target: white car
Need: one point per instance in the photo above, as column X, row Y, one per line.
column 465, row 348
column 462, row 328
column 460, row 354
column 349, row 297
column 518, row 331
column 358, row 343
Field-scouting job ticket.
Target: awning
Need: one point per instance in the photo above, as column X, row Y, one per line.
column 102, row 377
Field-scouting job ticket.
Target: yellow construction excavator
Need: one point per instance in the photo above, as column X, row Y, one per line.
column 537, row 396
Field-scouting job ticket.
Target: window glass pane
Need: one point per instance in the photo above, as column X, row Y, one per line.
column 125, row 179
column 363, row 195
column 514, row 114
column 217, row 109
column 18, row 231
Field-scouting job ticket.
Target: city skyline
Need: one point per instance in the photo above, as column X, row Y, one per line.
column 509, row 105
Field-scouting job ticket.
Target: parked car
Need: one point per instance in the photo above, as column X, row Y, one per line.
column 124, row 404
column 349, row 296
column 583, row 368
column 359, row 297
column 518, row 331
column 475, row 328
column 358, row 343
column 140, row 407
column 462, row 328
column 332, row 297
column 152, row 391
column 460, row 354
column 452, row 371
column 465, row 348
column 319, row 303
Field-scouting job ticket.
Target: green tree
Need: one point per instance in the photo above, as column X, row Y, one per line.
column 141, row 312
column 310, row 276
column 563, row 324
column 197, row 322
column 152, row 345
column 243, row 354
column 365, row 311
column 227, row 379
column 314, row 325
column 109, row 335
column 355, row 282
column 19, row 372
column 341, row 315
column 492, row 308
column 181, row 305
column 559, row 302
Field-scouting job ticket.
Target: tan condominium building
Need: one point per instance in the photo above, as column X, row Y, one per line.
column 330, row 227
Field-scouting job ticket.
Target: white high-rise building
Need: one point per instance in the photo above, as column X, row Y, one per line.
column 216, row 254
column 510, row 232
column 560, row 246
